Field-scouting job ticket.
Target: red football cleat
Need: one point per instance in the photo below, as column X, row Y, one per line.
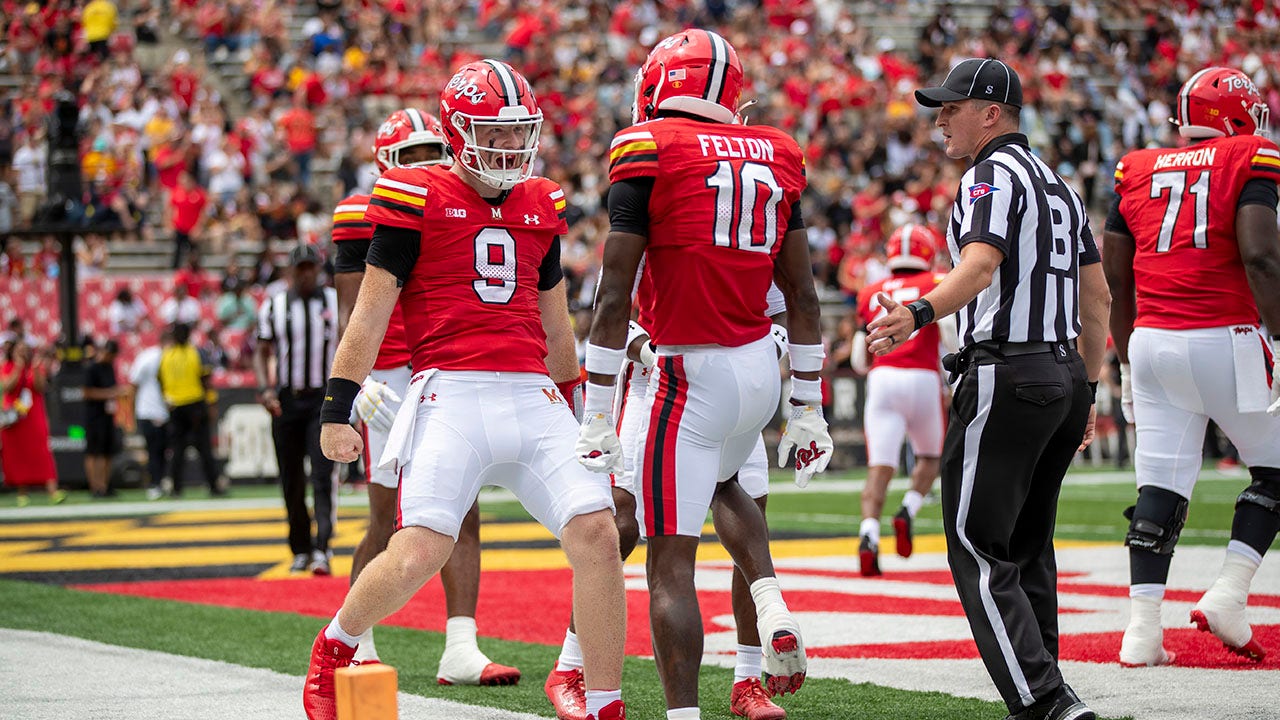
column 616, row 710
column 318, row 693
column 749, row 700
column 868, row 558
column 492, row 674
column 902, row 532
column 567, row 693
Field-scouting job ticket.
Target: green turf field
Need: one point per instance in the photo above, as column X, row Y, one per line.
column 280, row 641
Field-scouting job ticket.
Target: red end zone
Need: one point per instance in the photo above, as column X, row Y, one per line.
column 508, row 611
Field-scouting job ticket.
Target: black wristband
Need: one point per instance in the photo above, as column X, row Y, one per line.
column 1093, row 391
column 339, row 395
column 921, row 312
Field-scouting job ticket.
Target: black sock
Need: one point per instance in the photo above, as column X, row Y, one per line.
column 1255, row 526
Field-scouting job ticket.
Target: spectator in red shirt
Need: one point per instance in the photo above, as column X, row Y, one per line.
column 170, row 162
column 184, row 81
column 12, row 264
column 299, row 128
column 187, row 203
column 192, row 275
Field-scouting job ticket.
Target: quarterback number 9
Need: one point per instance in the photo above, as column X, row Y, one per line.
column 496, row 266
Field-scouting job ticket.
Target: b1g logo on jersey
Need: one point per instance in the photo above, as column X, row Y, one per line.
column 979, row 191
column 464, row 87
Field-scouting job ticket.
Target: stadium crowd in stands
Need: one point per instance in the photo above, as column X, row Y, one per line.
column 231, row 163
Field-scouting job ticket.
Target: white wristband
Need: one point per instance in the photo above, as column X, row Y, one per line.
column 605, row 361
column 808, row 392
column 806, row 358
column 597, row 399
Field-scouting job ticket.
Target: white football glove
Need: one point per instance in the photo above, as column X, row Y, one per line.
column 1126, row 393
column 779, row 335
column 1274, row 408
column 598, row 447
column 375, row 405
column 806, row 431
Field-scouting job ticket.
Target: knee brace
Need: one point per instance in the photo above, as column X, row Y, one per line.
column 1156, row 521
column 1264, row 491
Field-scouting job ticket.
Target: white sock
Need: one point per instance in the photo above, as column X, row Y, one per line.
column 870, row 526
column 335, row 632
column 570, row 653
column 912, row 502
column 1153, row 591
column 748, row 664
column 366, row 651
column 1237, row 571
column 765, row 592
column 598, row 699
column 460, row 631
column 1246, row 551
column 691, row 713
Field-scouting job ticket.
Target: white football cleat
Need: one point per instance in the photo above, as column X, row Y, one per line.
column 1143, row 643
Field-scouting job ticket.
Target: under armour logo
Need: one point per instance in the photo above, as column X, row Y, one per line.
column 425, row 398
column 497, row 213
column 805, row 456
column 553, row 394
column 1242, row 330
column 530, row 219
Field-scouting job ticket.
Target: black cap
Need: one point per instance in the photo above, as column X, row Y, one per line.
column 978, row 79
column 304, row 253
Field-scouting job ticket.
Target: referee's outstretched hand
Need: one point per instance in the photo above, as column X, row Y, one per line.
column 891, row 329
column 340, row 442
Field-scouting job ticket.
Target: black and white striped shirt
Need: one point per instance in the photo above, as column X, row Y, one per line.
column 1010, row 199
column 305, row 335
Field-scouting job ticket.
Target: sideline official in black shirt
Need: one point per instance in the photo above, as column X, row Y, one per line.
column 1027, row 286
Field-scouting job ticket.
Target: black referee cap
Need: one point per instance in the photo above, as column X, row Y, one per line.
column 978, row 79
column 304, row 253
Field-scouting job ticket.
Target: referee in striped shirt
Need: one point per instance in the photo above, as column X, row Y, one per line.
column 299, row 327
column 1029, row 290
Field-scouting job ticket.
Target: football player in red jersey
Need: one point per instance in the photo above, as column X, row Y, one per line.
column 473, row 253
column 713, row 207
column 408, row 138
column 904, row 392
column 1193, row 261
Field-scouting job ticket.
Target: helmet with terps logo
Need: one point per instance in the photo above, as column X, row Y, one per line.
column 482, row 97
column 694, row 71
column 1221, row 102
column 405, row 129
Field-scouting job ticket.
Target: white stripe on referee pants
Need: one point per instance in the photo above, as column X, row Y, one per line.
column 972, row 442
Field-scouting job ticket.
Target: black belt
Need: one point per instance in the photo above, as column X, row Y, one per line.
column 1011, row 349
column 991, row 353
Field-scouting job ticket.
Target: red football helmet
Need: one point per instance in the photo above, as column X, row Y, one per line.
column 1219, row 102
column 405, row 129
column 694, row 71
column 483, row 100
column 912, row 247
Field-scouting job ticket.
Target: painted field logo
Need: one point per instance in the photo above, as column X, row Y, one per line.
column 979, row 191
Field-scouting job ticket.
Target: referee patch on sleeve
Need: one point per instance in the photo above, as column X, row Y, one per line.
column 981, row 190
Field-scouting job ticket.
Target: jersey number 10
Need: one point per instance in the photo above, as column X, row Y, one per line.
column 737, row 194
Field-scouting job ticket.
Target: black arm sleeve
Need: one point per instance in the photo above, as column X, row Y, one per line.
column 1090, row 254
column 351, row 255
column 1259, row 191
column 395, row 250
column 1115, row 221
column 797, row 217
column 549, row 272
column 629, row 206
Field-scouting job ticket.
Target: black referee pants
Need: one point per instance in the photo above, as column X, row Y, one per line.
column 297, row 435
column 1014, row 427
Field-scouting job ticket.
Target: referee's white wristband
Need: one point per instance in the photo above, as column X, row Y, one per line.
column 806, row 358
column 806, row 392
column 605, row 361
column 597, row 399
